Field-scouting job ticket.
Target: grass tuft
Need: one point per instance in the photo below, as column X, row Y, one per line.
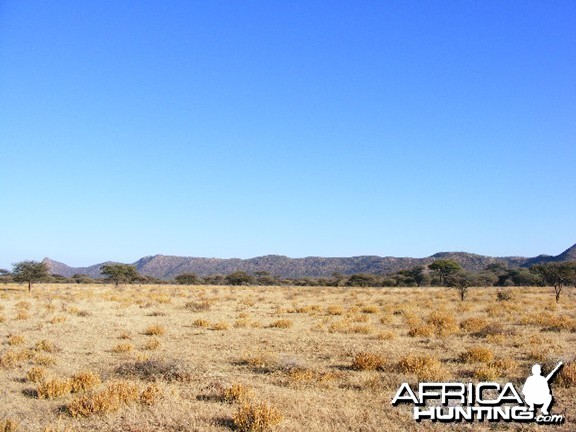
column 256, row 417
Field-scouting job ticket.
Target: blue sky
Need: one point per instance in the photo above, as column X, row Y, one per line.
column 330, row 128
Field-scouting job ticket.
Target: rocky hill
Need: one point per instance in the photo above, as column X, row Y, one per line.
column 167, row 267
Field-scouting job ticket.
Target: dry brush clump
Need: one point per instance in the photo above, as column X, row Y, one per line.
column 155, row 330
column 84, row 381
column 123, row 348
column 282, row 323
column 112, row 398
column 52, row 388
column 11, row 358
column 256, row 417
column 426, row 367
column 368, row 361
column 477, row 354
column 260, row 361
column 473, row 324
column 567, row 375
column 151, row 344
column 14, row 340
column 220, row 326
column 36, row 374
column 235, row 393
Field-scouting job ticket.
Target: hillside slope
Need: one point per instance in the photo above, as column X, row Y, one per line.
column 167, row 267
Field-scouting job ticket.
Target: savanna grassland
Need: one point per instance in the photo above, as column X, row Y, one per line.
column 177, row 358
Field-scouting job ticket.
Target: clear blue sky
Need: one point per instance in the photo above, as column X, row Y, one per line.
column 244, row 128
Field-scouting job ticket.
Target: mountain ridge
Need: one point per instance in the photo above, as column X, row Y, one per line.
column 169, row 266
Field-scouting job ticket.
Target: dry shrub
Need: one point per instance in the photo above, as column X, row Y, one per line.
column 360, row 318
column 84, row 381
column 256, row 417
column 361, row 329
column 421, row 330
column 201, row 323
column 504, row 295
column 236, row 393
column 567, row 375
column 123, row 348
column 505, row 365
column 12, row 358
column 36, row 374
column 477, row 354
column 155, row 330
column 2, row 318
column 304, row 376
column 44, row 359
column 262, row 361
column 220, row 326
column 385, row 319
column 371, row 309
column 151, row 394
column 199, row 306
column 151, row 344
column 282, row 323
column 22, row 314
column 487, row 372
column 116, row 394
column 368, row 361
column 443, row 322
column 58, row 319
column 386, row 335
column 154, row 370
column 25, row 305
column 425, row 367
column 242, row 323
column 538, row 354
column 9, row 425
column 473, row 324
column 46, row 345
column 14, row 340
column 54, row 388
column 125, row 335
column 335, row 310
column 341, row 326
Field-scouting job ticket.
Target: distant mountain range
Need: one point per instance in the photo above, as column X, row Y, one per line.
column 167, row 267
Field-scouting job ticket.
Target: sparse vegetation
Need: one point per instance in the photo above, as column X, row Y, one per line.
column 144, row 352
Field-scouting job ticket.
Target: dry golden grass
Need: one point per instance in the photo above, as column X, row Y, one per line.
column 236, row 393
column 123, row 348
column 9, row 425
column 52, row 388
column 140, row 358
column 477, row 354
column 256, row 417
column 84, row 381
column 368, row 361
column 15, row 340
column 155, row 330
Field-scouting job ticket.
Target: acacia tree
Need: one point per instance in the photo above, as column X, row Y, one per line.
column 444, row 268
column 557, row 275
column 187, row 279
column 119, row 273
column 239, row 278
column 30, row 272
column 461, row 281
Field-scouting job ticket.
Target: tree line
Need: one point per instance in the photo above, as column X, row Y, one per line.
column 441, row 272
